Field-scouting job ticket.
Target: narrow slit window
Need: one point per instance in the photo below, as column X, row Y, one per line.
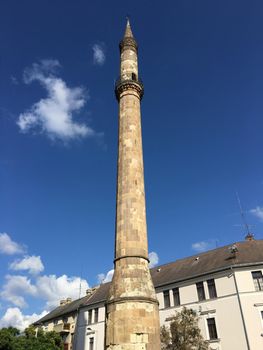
column 90, row 317
column 91, row 343
column 176, row 295
column 212, row 289
column 134, row 77
column 200, row 291
column 258, row 280
column 166, row 298
column 211, row 324
column 96, row 315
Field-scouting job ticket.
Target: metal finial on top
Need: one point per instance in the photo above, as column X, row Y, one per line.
column 128, row 31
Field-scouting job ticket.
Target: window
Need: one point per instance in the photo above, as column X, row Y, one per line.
column 91, row 343
column 90, row 317
column 96, row 315
column 200, row 291
column 212, row 289
column 134, row 76
column 166, row 298
column 258, row 280
column 261, row 315
column 176, row 296
column 211, row 324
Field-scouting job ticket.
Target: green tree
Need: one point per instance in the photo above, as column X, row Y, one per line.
column 7, row 337
column 11, row 339
column 183, row 332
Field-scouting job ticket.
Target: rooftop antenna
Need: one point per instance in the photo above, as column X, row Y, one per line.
column 80, row 280
column 249, row 235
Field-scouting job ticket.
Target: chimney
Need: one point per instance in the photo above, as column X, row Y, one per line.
column 90, row 291
column 69, row 300
column 62, row 302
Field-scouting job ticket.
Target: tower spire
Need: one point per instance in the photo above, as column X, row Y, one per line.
column 132, row 320
column 128, row 31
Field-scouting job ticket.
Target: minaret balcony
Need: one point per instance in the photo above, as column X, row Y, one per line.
column 122, row 85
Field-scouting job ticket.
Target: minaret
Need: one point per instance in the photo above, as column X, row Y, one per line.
column 132, row 320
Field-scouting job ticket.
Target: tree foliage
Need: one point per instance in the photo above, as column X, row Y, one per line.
column 12, row 339
column 183, row 332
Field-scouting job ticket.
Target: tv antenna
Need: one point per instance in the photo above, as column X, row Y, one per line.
column 80, row 280
column 245, row 224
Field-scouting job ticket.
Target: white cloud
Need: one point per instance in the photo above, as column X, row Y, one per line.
column 16, row 288
column 154, row 259
column 14, row 317
column 49, row 288
column 32, row 263
column 202, row 246
column 53, row 115
column 258, row 212
column 104, row 278
column 52, row 288
column 7, row 246
column 98, row 54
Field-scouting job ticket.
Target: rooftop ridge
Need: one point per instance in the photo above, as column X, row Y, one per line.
column 206, row 252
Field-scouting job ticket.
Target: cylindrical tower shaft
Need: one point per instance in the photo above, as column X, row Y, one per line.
column 132, row 321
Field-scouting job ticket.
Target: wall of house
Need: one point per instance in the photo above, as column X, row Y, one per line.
column 57, row 326
column 252, row 307
column 86, row 330
column 225, row 309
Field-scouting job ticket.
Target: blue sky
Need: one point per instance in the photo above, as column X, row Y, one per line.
column 201, row 63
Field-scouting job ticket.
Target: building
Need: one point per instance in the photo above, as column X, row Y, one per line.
column 224, row 286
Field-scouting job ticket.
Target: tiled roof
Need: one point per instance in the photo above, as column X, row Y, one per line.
column 64, row 309
column 248, row 253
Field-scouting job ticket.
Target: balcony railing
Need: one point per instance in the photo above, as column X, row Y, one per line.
column 130, row 80
column 122, row 82
column 62, row 327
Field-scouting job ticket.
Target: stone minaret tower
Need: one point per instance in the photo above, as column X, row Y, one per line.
column 132, row 321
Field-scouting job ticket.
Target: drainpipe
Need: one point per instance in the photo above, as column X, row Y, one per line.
column 241, row 310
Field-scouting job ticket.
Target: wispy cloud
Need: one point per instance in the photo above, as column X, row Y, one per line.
column 9, row 247
column 14, row 80
column 32, row 264
column 99, row 56
column 202, row 246
column 54, row 115
column 257, row 212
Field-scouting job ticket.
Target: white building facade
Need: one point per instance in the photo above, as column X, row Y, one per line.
column 224, row 286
